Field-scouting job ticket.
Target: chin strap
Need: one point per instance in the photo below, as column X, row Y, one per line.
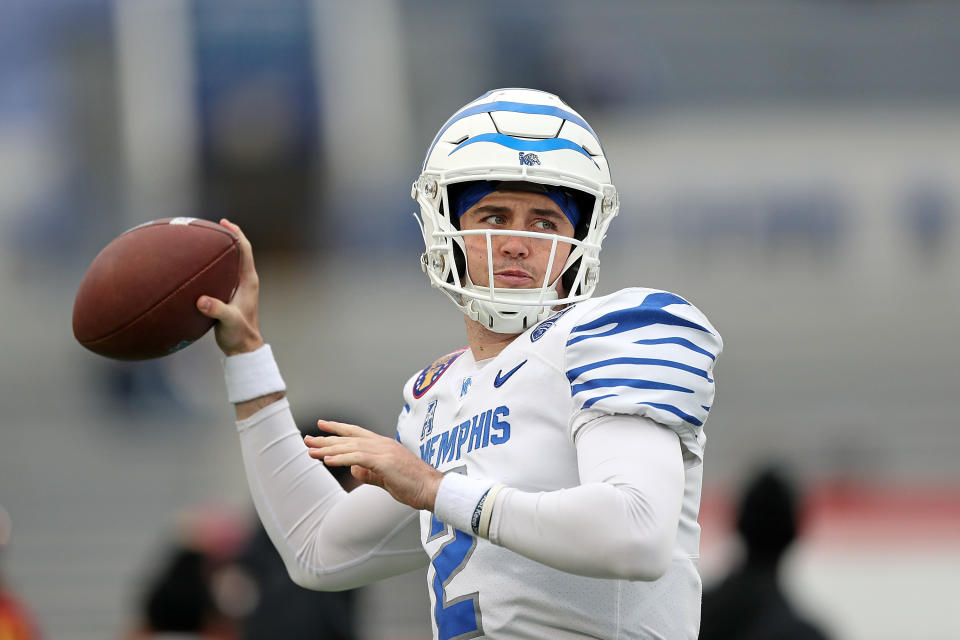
column 504, row 317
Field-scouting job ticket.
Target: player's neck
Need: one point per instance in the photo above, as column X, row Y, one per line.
column 485, row 343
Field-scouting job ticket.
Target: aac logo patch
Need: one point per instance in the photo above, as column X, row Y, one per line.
column 429, row 376
column 427, row 428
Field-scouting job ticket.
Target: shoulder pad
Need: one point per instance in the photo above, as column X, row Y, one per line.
column 646, row 353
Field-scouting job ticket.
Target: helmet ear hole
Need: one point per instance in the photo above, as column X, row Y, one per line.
column 453, row 195
column 460, row 264
column 454, row 221
column 568, row 278
column 585, row 203
column 459, row 259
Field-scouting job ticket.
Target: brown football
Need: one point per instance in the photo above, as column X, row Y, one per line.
column 138, row 298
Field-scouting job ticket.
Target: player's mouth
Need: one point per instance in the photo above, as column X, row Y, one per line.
column 513, row 278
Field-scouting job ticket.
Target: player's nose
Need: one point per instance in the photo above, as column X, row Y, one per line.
column 514, row 246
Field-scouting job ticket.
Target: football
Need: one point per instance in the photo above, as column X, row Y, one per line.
column 137, row 299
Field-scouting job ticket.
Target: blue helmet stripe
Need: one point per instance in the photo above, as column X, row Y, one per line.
column 518, row 144
column 514, row 107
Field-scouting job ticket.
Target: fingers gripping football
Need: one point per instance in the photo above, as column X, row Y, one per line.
column 378, row 460
column 238, row 325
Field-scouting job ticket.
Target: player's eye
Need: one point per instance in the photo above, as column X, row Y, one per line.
column 495, row 219
column 545, row 225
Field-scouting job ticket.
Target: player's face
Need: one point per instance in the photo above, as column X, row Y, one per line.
column 518, row 262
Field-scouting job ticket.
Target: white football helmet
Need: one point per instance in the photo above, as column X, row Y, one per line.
column 514, row 135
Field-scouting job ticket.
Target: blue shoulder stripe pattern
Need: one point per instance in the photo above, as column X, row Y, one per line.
column 573, row 374
column 686, row 417
column 600, row 383
column 514, row 107
column 683, row 342
column 650, row 311
column 675, row 411
column 591, row 401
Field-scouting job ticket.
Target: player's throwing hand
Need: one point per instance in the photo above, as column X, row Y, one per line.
column 378, row 460
column 238, row 328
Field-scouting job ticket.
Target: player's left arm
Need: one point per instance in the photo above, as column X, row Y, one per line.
column 621, row 522
column 640, row 368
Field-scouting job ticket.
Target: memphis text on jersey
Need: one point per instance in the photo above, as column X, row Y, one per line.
column 484, row 429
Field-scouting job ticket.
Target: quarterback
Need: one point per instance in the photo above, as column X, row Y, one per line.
column 548, row 474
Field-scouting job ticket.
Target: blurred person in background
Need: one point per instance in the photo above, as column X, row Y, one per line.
column 184, row 597
column 749, row 604
column 549, row 474
column 179, row 601
column 16, row 621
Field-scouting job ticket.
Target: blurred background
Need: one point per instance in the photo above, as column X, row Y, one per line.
column 790, row 166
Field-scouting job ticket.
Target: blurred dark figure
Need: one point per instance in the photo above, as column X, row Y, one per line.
column 283, row 609
column 179, row 601
column 749, row 604
column 16, row 621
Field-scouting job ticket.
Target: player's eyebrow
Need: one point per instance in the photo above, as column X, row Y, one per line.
column 493, row 208
column 549, row 213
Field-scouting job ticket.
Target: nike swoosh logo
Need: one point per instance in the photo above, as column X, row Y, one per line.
column 501, row 377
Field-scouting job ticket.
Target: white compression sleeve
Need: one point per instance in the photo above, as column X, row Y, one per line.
column 329, row 539
column 621, row 522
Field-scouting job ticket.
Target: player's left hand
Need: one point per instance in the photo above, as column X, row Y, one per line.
column 378, row 460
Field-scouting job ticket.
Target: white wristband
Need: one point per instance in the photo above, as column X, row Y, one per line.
column 251, row 375
column 457, row 497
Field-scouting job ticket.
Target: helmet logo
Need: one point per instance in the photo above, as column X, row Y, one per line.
column 529, row 159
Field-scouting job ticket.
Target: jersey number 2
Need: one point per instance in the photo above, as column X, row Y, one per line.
column 457, row 619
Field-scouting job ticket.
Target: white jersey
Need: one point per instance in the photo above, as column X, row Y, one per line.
column 514, row 419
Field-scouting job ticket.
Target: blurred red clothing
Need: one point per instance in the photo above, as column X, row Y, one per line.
column 16, row 623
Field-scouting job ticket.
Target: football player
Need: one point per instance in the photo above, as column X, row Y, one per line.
column 549, row 474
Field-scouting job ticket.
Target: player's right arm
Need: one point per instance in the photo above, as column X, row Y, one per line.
column 329, row 539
